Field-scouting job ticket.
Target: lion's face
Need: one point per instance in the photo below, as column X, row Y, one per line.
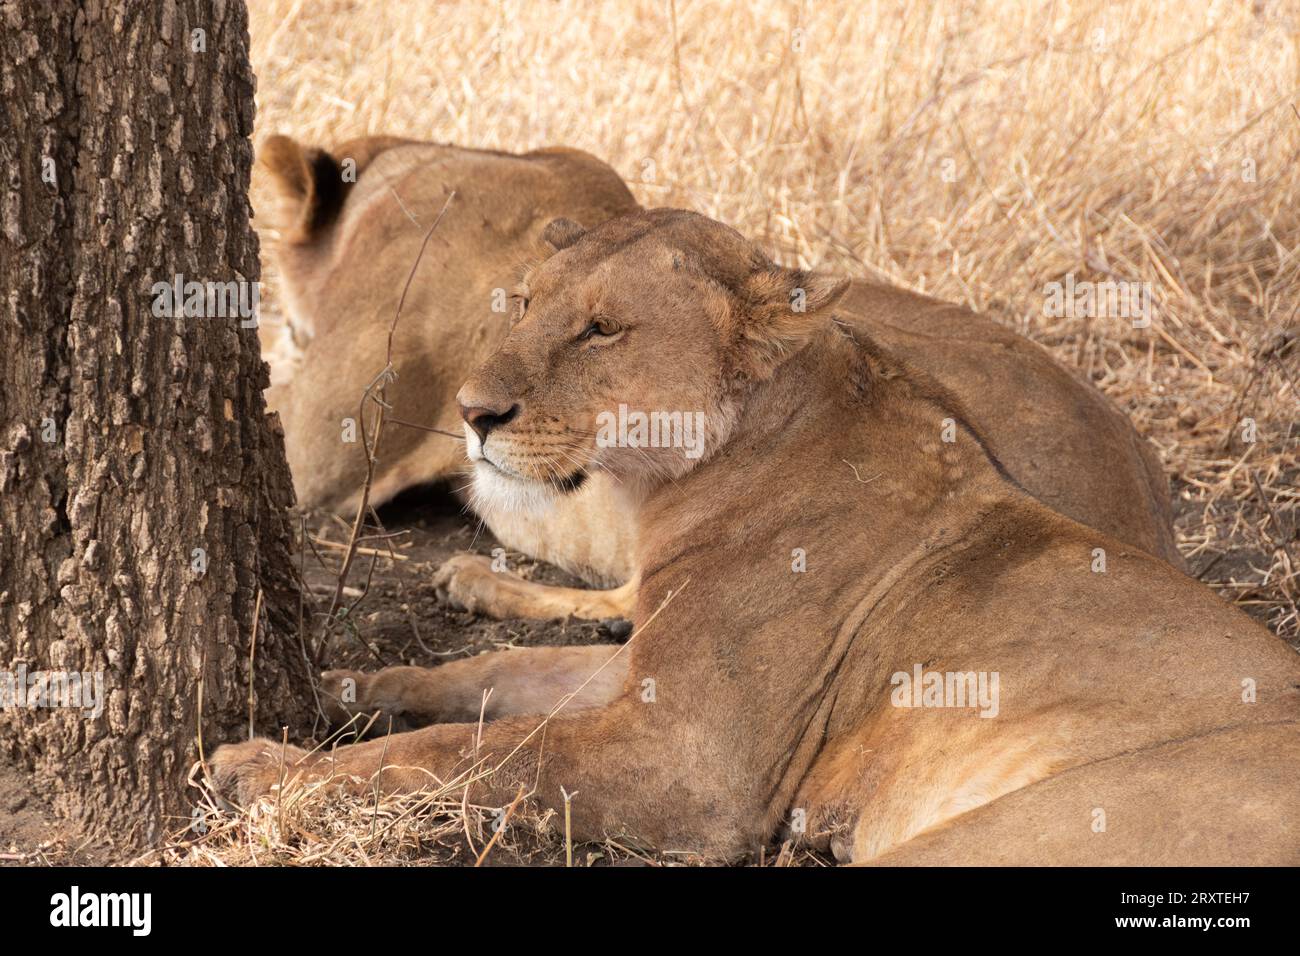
column 630, row 351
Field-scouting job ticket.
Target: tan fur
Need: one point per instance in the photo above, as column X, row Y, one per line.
column 342, row 283
column 522, row 681
column 477, row 587
column 1057, row 436
column 772, row 707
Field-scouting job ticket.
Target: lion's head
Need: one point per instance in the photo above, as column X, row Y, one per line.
column 633, row 347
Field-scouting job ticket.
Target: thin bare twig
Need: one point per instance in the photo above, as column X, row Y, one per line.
column 380, row 383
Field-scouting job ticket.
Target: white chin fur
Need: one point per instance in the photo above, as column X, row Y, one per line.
column 495, row 492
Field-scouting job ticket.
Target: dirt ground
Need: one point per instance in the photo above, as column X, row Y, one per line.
column 400, row 620
column 29, row 834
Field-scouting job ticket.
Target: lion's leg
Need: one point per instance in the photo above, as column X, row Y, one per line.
column 469, row 581
column 1228, row 798
column 590, row 534
column 525, row 681
column 622, row 764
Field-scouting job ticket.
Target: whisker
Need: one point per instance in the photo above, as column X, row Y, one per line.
column 426, row 428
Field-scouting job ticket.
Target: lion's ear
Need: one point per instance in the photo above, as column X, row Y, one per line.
column 562, row 233
column 785, row 307
column 310, row 183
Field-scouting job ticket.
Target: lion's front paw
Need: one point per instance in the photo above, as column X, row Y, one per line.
column 251, row 769
column 468, row 581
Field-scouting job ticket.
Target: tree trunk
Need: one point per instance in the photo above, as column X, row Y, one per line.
column 143, row 488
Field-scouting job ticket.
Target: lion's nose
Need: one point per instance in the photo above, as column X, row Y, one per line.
column 483, row 420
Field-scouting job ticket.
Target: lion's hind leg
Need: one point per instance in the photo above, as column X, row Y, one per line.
column 1227, row 798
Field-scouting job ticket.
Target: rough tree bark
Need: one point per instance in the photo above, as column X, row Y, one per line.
column 127, row 440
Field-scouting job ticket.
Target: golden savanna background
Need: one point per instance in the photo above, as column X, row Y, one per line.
column 973, row 150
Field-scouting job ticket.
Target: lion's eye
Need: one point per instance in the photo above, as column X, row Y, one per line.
column 601, row 326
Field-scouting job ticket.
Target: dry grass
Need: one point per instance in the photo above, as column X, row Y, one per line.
column 315, row 825
column 312, row 824
column 972, row 150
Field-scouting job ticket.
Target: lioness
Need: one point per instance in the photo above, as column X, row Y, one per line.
column 803, row 580
column 349, row 250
